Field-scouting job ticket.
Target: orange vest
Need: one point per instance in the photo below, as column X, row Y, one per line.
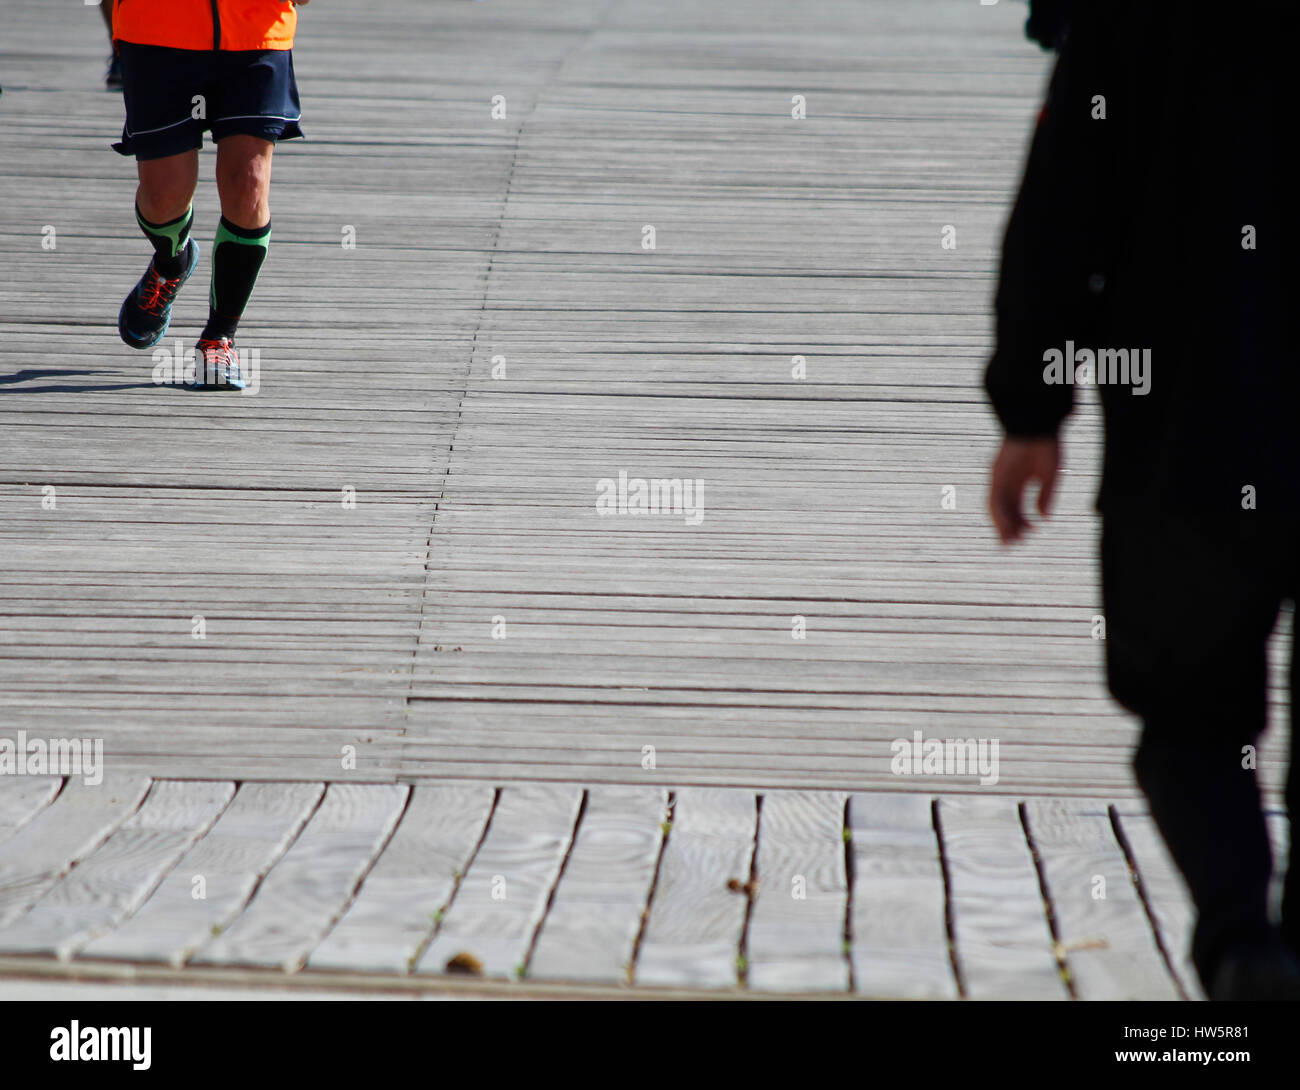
column 206, row 24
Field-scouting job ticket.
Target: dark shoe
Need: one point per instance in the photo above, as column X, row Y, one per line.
column 216, row 365
column 1257, row 971
column 147, row 311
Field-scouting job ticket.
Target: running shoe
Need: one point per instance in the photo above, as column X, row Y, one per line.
column 147, row 311
column 216, row 365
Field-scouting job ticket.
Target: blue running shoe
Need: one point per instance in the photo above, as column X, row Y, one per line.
column 147, row 311
column 216, row 365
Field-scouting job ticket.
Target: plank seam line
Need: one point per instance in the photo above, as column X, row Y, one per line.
column 751, row 889
column 457, row 879
column 478, row 328
column 63, row 783
column 936, row 823
column 847, row 836
column 181, row 957
column 1136, row 875
column 555, row 885
column 741, row 690
column 700, row 780
column 142, row 491
column 460, row 412
column 666, row 828
column 465, row 695
column 356, row 886
column 1058, row 948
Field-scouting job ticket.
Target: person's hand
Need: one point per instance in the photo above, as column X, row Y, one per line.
column 1019, row 462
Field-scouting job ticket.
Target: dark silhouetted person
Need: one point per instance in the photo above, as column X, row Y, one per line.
column 1152, row 252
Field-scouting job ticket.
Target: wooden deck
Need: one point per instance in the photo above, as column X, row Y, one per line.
column 427, row 660
column 386, row 887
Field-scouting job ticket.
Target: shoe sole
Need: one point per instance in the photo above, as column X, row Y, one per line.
column 212, row 387
column 128, row 338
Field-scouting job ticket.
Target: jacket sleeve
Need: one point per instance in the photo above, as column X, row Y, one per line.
column 1049, row 254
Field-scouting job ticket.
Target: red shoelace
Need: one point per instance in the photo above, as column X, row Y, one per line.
column 157, row 292
column 222, row 351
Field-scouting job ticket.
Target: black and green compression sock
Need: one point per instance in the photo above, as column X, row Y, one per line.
column 237, row 256
column 168, row 240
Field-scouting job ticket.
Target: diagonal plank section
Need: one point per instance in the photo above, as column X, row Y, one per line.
column 64, row 833
column 503, row 897
column 1003, row 942
column 1102, row 926
column 898, row 922
column 307, row 890
column 395, row 908
column 209, row 887
column 694, row 930
column 122, row 872
column 590, row 932
column 796, row 929
column 22, row 798
column 1166, row 895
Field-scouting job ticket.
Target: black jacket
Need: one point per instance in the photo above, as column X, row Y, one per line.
column 1128, row 234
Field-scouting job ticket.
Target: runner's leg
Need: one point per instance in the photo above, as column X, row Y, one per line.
column 244, row 186
column 163, row 206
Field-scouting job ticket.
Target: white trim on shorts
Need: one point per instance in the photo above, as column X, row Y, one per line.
column 249, row 117
column 149, row 132
column 208, row 122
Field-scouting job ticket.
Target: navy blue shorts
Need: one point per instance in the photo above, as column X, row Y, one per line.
column 231, row 91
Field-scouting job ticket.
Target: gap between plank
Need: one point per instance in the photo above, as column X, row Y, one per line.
column 847, row 836
column 1136, row 876
column 1058, row 949
column 751, row 890
column 457, row 878
column 559, row 877
column 667, row 829
column 936, row 822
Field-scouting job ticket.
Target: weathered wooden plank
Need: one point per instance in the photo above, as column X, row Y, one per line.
column 596, row 915
column 1166, row 895
column 1101, row 923
column 1001, row 936
column 22, row 798
column 311, row 884
column 695, row 925
column 796, row 936
column 502, row 897
column 122, row 872
column 61, row 835
column 898, row 923
column 212, row 883
column 396, row 908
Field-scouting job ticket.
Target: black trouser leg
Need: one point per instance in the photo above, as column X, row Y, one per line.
column 1188, row 613
column 1207, row 808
